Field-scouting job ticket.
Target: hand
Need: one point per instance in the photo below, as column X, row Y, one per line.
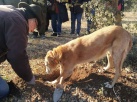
column 32, row 81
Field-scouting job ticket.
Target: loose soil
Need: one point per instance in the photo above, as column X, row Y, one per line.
column 86, row 83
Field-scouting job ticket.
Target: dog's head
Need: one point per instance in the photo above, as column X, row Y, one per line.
column 52, row 59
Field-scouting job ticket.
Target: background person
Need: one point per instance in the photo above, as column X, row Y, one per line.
column 76, row 15
column 58, row 16
column 90, row 14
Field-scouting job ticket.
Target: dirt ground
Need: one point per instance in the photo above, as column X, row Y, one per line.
column 86, row 84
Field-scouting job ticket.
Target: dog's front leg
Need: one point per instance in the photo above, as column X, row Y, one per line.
column 60, row 84
column 53, row 82
column 59, row 81
column 56, row 81
column 63, row 76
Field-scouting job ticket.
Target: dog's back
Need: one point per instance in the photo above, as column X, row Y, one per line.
column 95, row 45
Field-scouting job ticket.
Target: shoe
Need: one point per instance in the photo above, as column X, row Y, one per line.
column 54, row 34
column 78, row 35
column 87, row 32
column 58, row 35
column 42, row 36
column 72, row 33
column 34, row 36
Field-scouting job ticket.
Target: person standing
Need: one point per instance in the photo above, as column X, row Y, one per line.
column 58, row 16
column 15, row 23
column 76, row 15
column 90, row 14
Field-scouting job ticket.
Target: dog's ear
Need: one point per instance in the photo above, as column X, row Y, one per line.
column 51, row 56
column 57, row 52
column 52, row 59
column 50, row 53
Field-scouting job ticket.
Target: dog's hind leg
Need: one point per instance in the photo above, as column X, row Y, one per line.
column 118, row 58
column 110, row 61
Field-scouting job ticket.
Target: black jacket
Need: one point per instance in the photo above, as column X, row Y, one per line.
column 75, row 6
column 13, row 41
column 61, row 10
column 42, row 4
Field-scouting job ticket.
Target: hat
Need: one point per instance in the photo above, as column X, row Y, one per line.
column 35, row 9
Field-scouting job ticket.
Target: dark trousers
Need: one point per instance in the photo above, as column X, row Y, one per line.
column 89, row 25
column 74, row 17
column 56, row 23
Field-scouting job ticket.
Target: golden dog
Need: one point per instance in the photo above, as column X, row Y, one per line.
column 113, row 41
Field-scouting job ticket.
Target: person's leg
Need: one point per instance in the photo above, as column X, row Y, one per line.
column 47, row 21
column 54, row 24
column 4, row 88
column 47, row 25
column 42, row 28
column 78, row 16
column 42, row 32
column 73, row 18
column 88, row 26
column 59, row 25
column 35, row 34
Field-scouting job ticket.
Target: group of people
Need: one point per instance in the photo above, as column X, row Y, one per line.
column 56, row 11
column 58, row 16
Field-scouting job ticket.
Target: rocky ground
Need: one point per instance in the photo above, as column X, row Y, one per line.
column 86, row 84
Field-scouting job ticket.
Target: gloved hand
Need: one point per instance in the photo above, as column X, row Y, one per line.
column 32, row 81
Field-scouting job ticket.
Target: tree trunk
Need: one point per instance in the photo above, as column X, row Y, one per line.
column 117, row 13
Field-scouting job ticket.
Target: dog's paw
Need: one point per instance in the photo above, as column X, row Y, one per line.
column 47, row 82
column 107, row 85
column 51, row 82
column 100, row 70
